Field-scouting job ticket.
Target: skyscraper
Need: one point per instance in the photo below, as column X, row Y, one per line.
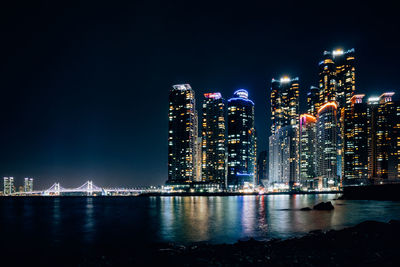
column 284, row 103
column 383, row 137
column 283, row 158
column 214, row 139
column 355, row 142
column 8, row 186
column 337, row 77
column 394, row 155
column 337, row 83
column 283, row 142
column 28, row 184
column 313, row 101
column 197, row 150
column 241, row 140
column 199, row 162
column 262, row 168
column 182, row 135
column 326, row 151
column 307, row 147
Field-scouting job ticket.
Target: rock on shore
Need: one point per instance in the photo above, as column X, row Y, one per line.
column 324, row 206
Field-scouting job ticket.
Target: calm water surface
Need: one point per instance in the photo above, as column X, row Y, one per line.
column 99, row 221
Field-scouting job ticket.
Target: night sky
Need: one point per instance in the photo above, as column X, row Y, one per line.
column 84, row 86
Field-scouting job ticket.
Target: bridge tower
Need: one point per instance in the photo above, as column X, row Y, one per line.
column 89, row 188
column 57, row 189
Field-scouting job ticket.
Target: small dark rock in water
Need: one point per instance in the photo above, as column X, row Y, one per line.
column 306, row 209
column 324, row 206
column 395, row 222
column 316, row 232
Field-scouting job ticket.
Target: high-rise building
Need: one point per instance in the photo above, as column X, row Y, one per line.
column 8, row 186
column 262, row 168
column 283, row 158
column 394, row 155
column 182, row 134
column 241, row 140
column 284, row 103
column 214, row 139
column 197, row 150
column 326, row 151
column 275, row 161
column 284, row 139
column 355, row 142
column 337, row 83
column 383, row 137
column 337, row 77
column 327, row 79
column 313, row 101
column 307, row 148
column 198, row 158
column 28, row 184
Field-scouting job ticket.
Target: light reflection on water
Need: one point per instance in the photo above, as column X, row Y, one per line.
column 89, row 221
column 98, row 221
column 227, row 219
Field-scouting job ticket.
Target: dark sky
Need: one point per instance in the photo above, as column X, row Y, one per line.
column 84, row 86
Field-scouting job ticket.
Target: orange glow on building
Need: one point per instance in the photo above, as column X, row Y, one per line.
column 308, row 117
column 327, row 104
column 357, row 98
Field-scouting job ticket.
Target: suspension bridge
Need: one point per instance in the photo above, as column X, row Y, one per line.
column 88, row 188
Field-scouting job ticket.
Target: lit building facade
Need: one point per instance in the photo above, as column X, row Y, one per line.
column 313, row 101
column 337, row 77
column 28, row 184
column 394, row 155
column 383, row 138
column 241, row 140
column 337, row 83
column 326, row 151
column 214, row 139
column 355, row 141
column 275, row 162
column 262, row 168
column 284, row 103
column 8, row 186
column 284, row 139
column 182, row 134
column 283, row 158
column 198, row 159
column 307, row 148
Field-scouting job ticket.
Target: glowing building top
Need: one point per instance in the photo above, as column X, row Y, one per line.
column 386, row 97
column 339, row 52
column 357, row 99
column 241, row 93
column 326, row 105
column 285, row 79
column 182, row 86
column 383, row 98
column 216, row 95
column 284, row 102
column 304, row 118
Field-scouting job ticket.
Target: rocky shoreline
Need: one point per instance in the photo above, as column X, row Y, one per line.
column 369, row 243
